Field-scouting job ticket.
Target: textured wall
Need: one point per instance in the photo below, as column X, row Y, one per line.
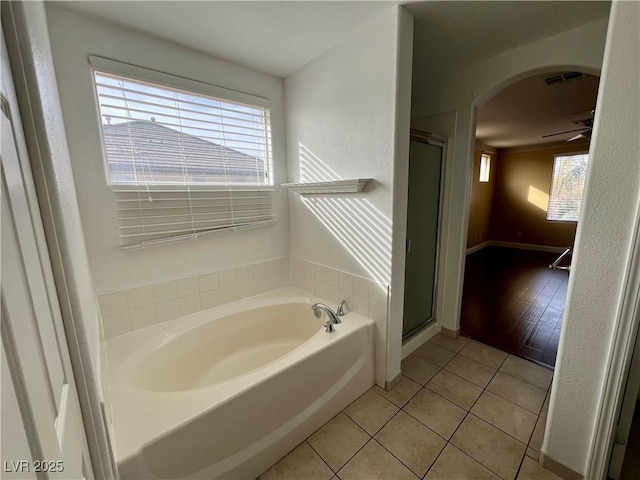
column 522, row 189
column 603, row 243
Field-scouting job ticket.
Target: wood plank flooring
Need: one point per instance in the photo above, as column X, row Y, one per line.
column 514, row 302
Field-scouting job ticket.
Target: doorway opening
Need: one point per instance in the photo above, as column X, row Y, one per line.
column 530, row 163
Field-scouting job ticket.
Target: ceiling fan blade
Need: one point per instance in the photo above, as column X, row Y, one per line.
column 576, row 137
column 568, row 131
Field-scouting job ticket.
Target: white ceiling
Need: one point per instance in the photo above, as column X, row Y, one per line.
column 279, row 37
column 525, row 111
column 452, row 33
column 275, row 37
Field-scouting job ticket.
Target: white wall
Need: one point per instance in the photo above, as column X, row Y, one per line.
column 340, row 123
column 73, row 38
column 342, row 111
column 603, row 245
column 461, row 93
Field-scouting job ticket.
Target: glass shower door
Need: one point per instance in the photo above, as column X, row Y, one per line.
column 425, row 171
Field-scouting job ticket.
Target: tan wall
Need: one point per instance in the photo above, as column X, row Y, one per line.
column 522, row 188
column 481, row 199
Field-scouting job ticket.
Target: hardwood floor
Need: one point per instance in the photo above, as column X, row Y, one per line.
column 514, row 302
column 631, row 462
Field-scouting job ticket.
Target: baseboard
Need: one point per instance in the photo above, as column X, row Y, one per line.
column 477, row 248
column 417, row 340
column 450, row 333
column 391, row 384
column 525, row 246
column 559, row 469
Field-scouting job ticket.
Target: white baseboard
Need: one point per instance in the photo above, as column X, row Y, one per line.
column 521, row 246
column 419, row 339
column 528, row 246
column 477, row 248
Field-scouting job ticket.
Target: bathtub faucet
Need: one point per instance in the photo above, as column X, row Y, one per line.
column 318, row 308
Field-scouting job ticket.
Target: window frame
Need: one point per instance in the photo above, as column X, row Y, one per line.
column 553, row 168
column 488, row 168
column 156, row 77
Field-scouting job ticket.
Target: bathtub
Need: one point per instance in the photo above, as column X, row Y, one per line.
column 226, row 392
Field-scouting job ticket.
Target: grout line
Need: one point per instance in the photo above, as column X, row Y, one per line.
column 469, row 413
column 320, row 456
column 394, row 456
column 356, row 452
column 402, row 409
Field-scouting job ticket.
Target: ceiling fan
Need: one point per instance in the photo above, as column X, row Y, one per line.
column 585, row 130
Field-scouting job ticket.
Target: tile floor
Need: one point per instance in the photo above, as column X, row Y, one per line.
column 462, row 410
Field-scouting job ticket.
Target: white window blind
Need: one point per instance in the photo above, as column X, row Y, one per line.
column 182, row 162
column 569, row 174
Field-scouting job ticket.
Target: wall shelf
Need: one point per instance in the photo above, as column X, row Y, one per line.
column 335, row 186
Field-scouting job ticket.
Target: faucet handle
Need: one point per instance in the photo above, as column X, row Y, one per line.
column 329, row 328
column 340, row 310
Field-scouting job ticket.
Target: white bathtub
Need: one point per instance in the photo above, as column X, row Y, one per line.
column 226, row 392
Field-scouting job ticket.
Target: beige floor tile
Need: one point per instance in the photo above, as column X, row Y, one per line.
column 418, row 369
column 371, row 411
column 411, row 442
column 538, row 434
column 338, row 440
column 401, row 393
column 533, row 454
column 440, row 415
column 373, row 462
column 434, row 354
column 484, row 354
column 460, row 391
column 517, row 391
column 471, row 370
column 301, row 462
column 532, row 470
column 453, row 344
column 493, row 448
column 507, row 416
column 529, row 372
column 452, row 464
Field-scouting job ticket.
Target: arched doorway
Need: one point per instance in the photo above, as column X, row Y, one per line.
column 529, row 165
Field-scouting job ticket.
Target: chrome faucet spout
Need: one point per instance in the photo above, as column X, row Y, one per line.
column 318, row 308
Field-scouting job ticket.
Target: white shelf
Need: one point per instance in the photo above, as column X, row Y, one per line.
column 335, row 186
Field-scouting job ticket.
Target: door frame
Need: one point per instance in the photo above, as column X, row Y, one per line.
column 437, row 141
column 619, row 363
column 25, row 29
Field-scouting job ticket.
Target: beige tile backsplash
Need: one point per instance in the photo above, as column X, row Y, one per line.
column 364, row 296
column 141, row 307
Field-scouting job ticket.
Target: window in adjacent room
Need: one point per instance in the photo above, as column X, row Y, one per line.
column 183, row 158
column 569, row 174
column 485, row 167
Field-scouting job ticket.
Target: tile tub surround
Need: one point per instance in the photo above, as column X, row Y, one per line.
column 417, row 430
column 136, row 308
column 363, row 295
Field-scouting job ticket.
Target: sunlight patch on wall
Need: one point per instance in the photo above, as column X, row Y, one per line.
column 538, row 198
column 359, row 227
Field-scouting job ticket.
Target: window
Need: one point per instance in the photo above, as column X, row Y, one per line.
column 485, row 166
column 569, row 173
column 182, row 158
